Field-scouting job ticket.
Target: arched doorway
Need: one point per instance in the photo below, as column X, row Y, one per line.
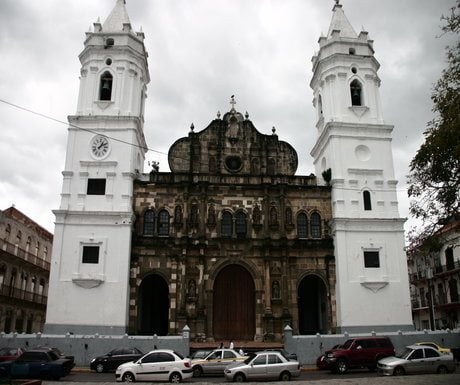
column 153, row 306
column 312, row 302
column 234, row 304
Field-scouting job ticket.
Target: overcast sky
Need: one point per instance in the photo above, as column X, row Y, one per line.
column 200, row 53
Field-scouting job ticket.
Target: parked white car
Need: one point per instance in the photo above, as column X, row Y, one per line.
column 215, row 362
column 266, row 365
column 417, row 359
column 157, row 365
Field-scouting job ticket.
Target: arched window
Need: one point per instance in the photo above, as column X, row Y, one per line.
column 29, row 241
column 105, row 90
column 2, row 274
column 449, row 253
column 320, row 106
column 37, row 248
column 7, row 232
column 367, row 200
column 18, row 237
column 163, row 223
column 149, row 222
column 302, row 225
column 315, row 225
column 453, row 289
column 226, row 224
column 356, row 93
column 240, row 224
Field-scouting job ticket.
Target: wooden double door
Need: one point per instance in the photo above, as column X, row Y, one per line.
column 234, row 304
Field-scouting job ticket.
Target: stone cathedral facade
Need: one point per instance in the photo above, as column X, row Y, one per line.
column 230, row 241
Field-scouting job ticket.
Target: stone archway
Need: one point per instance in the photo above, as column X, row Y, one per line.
column 234, row 304
column 313, row 305
column 153, row 306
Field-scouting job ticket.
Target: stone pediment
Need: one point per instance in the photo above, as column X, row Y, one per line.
column 232, row 145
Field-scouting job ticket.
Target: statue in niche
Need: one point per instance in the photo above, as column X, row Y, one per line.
column 211, row 215
column 233, row 129
column 194, row 215
column 273, row 216
column 276, row 294
column 178, row 215
column 256, row 214
column 191, row 291
column 288, row 216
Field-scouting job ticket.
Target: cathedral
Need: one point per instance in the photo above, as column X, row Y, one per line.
column 230, row 242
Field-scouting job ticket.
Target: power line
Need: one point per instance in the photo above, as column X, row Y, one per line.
column 147, row 148
column 80, row 128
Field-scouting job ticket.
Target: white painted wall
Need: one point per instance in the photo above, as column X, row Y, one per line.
column 356, row 144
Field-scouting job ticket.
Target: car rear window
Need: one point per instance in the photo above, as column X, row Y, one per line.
column 384, row 343
column 431, row 353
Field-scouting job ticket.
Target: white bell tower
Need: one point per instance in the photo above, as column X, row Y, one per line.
column 355, row 144
column 89, row 280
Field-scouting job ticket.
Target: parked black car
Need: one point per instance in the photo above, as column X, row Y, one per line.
column 58, row 353
column 37, row 364
column 114, row 358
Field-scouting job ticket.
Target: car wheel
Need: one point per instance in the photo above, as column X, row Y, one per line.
column 175, row 378
column 443, row 370
column 128, row 377
column 399, row 371
column 239, row 377
column 285, row 376
column 197, row 371
column 341, row 366
column 100, row 368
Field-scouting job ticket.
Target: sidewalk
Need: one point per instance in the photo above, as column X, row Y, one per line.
column 426, row 379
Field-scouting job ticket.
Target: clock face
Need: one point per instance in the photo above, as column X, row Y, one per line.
column 100, row 146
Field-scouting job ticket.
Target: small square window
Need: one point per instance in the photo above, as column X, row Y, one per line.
column 90, row 254
column 96, row 187
column 371, row 259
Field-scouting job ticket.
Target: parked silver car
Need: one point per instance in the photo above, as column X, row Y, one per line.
column 417, row 359
column 263, row 365
column 158, row 365
column 215, row 362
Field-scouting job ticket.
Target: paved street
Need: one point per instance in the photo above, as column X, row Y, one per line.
column 313, row 377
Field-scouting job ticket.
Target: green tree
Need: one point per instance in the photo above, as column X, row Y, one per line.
column 434, row 179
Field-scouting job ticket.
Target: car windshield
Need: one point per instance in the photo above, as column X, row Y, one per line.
column 347, row 344
column 179, row 355
column 405, row 353
column 53, row 355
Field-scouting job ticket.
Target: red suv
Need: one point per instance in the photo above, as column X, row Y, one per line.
column 358, row 353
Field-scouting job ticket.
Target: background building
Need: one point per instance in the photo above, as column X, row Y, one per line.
column 434, row 272
column 25, row 253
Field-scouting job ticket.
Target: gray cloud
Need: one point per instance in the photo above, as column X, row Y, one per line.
column 200, row 53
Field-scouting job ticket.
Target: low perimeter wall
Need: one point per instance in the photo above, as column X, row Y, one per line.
column 309, row 348
column 86, row 347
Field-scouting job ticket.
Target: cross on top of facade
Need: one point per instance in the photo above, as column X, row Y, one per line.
column 232, row 101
